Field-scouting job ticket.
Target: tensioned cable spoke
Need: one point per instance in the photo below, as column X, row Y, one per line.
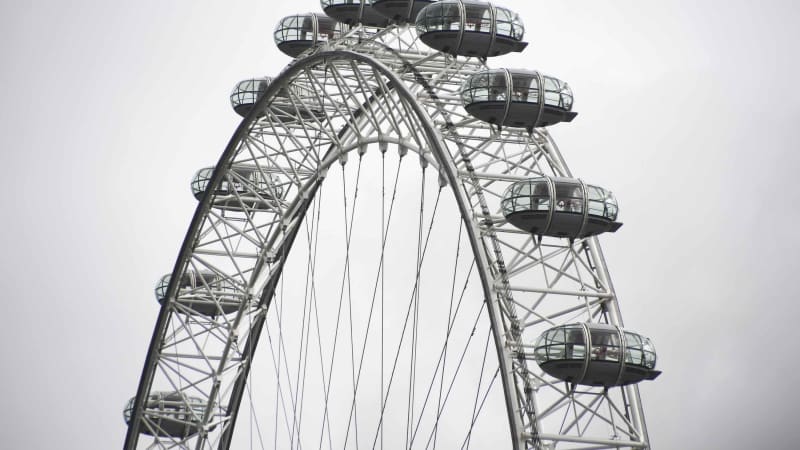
column 348, row 231
column 449, row 318
column 281, row 360
column 478, row 390
column 405, row 322
column 354, row 411
column 458, row 366
column 313, row 240
column 483, row 401
column 415, row 321
column 379, row 276
column 382, row 270
column 280, row 402
column 312, row 263
column 442, row 352
column 439, row 363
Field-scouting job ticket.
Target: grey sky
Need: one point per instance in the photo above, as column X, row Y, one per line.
column 688, row 111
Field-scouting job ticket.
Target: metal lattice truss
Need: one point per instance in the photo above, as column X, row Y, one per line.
column 368, row 90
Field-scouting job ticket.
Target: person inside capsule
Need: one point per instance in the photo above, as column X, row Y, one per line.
column 541, row 196
column 605, row 345
column 569, row 198
column 478, row 18
column 576, row 346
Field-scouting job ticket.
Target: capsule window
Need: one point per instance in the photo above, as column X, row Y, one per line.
column 561, row 343
column 295, row 28
column 509, row 24
column 441, row 17
column 525, row 88
column 557, row 345
column 576, row 344
column 522, row 203
column 521, row 189
column 478, row 89
column 633, row 349
column 605, row 345
column 326, row 29
column 201, row 180
column 247, row 92
column 649, row 353
column 611, row 206
column 569, row 197
column 540, row 195
column 529, row 195
column 497, row 87
column 557, row 93
column 478, row 18
column 552, row 92
column 161, row 287
column 326, row 3
column 596, row 201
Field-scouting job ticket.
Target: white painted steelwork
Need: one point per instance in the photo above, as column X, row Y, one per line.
column 378, row 87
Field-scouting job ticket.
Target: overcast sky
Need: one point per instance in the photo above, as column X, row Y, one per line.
column 688, row 111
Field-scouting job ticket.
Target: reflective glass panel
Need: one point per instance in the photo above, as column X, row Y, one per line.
column 327, row 29
column 557, row 93
column 569, row 197
column 161, row 287
column 649, row 353
column 611, row 206
column 441, row 16
column 497, row 86
column 509, row 24
column 525, row 88
column 326, row 3
column 479, row 17
column 605, row 345
column 576, row 342
column 596, row 201
column 540, row 195
column 201, row 179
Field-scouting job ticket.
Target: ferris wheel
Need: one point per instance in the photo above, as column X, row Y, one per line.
column 391, row 252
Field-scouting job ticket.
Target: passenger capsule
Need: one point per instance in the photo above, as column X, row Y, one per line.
column 289, row 105
column 246, row 94
column 169, row 414
column 401, row 11
column 517, row 98
column 353, row 12
column 298, row 33
column 560, row 207
column 244, row 187
column 470, row 28
column 203, row 292
column 594, row 354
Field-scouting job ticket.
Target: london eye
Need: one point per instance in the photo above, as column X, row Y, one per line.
column 392, row 252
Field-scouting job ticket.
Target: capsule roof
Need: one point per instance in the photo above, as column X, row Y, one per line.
column 244, row 187
column 202, row 292
column 298, row 33
column 353, row 12
column 560, row 207
column 517, row 98
column 470, row 28
column 401, row 11
column 169, row 414
column 596, row 355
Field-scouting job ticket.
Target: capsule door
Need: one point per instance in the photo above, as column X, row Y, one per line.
column 568, row 208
